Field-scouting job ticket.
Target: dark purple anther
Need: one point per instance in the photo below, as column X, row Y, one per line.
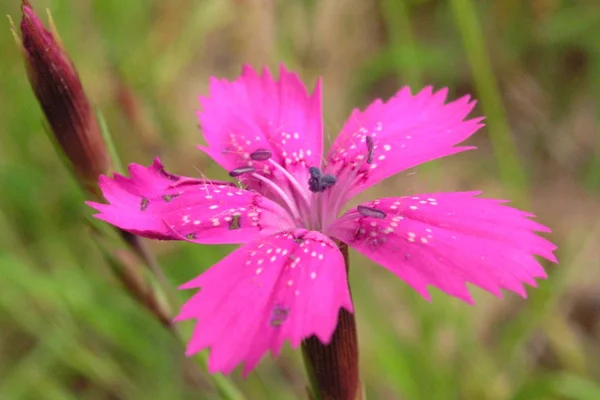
column 315, row 179
column 261, row 155
column 327, row 181
column 317, row 183
column 370, row 212
column 370, row 149
column 240, row 171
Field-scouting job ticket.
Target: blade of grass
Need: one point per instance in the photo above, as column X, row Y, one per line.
column 505, row 151
column 406, row 61
column 110, row 144
column 396, row 15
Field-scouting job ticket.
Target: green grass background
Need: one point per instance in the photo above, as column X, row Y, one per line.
column 69, row 331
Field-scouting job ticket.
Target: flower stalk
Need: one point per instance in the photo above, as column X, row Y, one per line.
column 333, row 368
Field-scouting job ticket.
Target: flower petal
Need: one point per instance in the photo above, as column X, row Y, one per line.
column 158, row 205
column 406, row 131
column 285, row 287
column 447, row 240
column 256, row 112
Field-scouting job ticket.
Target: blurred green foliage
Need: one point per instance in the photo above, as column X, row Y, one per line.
column 69, row 331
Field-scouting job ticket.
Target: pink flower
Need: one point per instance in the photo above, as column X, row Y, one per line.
column 288, row 281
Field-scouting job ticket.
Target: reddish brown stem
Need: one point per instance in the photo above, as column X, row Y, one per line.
column 333, row 367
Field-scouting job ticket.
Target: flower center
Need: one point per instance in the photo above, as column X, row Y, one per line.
column 317, row 207
column 293, row 196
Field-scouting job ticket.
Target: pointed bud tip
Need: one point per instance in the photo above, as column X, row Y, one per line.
column 60, row 94
column 28, row 14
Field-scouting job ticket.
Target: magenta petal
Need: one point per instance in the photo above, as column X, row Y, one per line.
column 407, row 130
column 257, row 112
column 158, row 205
column 448, row 239
column 285, row 287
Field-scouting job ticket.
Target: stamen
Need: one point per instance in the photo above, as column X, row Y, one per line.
column 315, row 172
column 295, row 209
column 327, row 181
column 370, row 212
column 261, row 155
column 370, row 149
column 315, row 179
column 291, row 205
column 340, row 190
column 291, row 179
column 240, row 171
column 317, row 183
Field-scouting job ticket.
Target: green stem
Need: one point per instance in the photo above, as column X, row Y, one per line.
column 110, row 144
column 505, row 151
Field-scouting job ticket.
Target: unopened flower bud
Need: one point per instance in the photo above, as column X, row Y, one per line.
column 59, row 91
